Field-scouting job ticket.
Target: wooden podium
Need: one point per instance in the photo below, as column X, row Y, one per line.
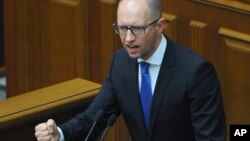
column 20, row 114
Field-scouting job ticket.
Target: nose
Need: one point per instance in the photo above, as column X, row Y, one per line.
column 129, row 37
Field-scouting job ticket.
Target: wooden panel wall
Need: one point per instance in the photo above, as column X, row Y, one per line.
column 2, row 50
column 102, row 39
column 236, row 74
column 171, row 26
column 108, row 40
column 45, row 43
column 198, row 37
column 66, row 37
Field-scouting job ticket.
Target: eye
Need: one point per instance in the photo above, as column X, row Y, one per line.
column 137, row 28
column 123, row 27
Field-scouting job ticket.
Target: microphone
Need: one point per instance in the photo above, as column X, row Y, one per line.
column 110, row 122
column 97, row 117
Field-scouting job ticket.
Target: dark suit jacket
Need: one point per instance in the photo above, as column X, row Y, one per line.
column 186, row 106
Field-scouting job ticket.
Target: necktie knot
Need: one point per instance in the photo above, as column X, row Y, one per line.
column 144, row 67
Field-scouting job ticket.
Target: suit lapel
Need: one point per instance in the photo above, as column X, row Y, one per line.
column 163, row 79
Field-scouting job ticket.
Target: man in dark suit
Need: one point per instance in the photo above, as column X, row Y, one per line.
column 183, row 93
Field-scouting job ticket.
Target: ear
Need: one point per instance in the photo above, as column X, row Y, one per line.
column 160, row 25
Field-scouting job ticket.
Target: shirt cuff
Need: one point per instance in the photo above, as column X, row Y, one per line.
column 61, row 136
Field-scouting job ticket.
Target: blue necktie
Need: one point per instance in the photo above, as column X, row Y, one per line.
column 146, row 92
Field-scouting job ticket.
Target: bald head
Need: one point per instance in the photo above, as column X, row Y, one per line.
column 152, row 8
column 155, row 8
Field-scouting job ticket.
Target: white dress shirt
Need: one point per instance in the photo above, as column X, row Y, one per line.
column 155, row 63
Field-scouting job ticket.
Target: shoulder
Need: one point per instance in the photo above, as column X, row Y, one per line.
column 188, row 62
column 185, row 56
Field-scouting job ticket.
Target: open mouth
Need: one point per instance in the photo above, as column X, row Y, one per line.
column 131, row 46
column 132, row 49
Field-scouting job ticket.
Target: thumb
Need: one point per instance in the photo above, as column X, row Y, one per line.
column 51, row 126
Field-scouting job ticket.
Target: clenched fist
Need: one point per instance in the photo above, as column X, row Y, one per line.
column 47, row 131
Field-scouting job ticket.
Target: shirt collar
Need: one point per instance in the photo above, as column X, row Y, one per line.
column 157, row 57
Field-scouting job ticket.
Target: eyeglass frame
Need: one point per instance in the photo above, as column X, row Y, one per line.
column 131, row 27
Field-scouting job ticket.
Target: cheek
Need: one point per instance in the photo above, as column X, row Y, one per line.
column 121, row 38
column 147, row 42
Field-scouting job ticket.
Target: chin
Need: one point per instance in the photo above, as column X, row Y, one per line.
column 134, row 56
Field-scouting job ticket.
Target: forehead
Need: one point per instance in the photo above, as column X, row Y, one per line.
column 132, row 12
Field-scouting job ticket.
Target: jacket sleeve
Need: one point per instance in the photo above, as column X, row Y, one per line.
column 78, row 127
column 206, row 106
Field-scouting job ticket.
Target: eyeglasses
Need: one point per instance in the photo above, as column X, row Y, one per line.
column 136, row 30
